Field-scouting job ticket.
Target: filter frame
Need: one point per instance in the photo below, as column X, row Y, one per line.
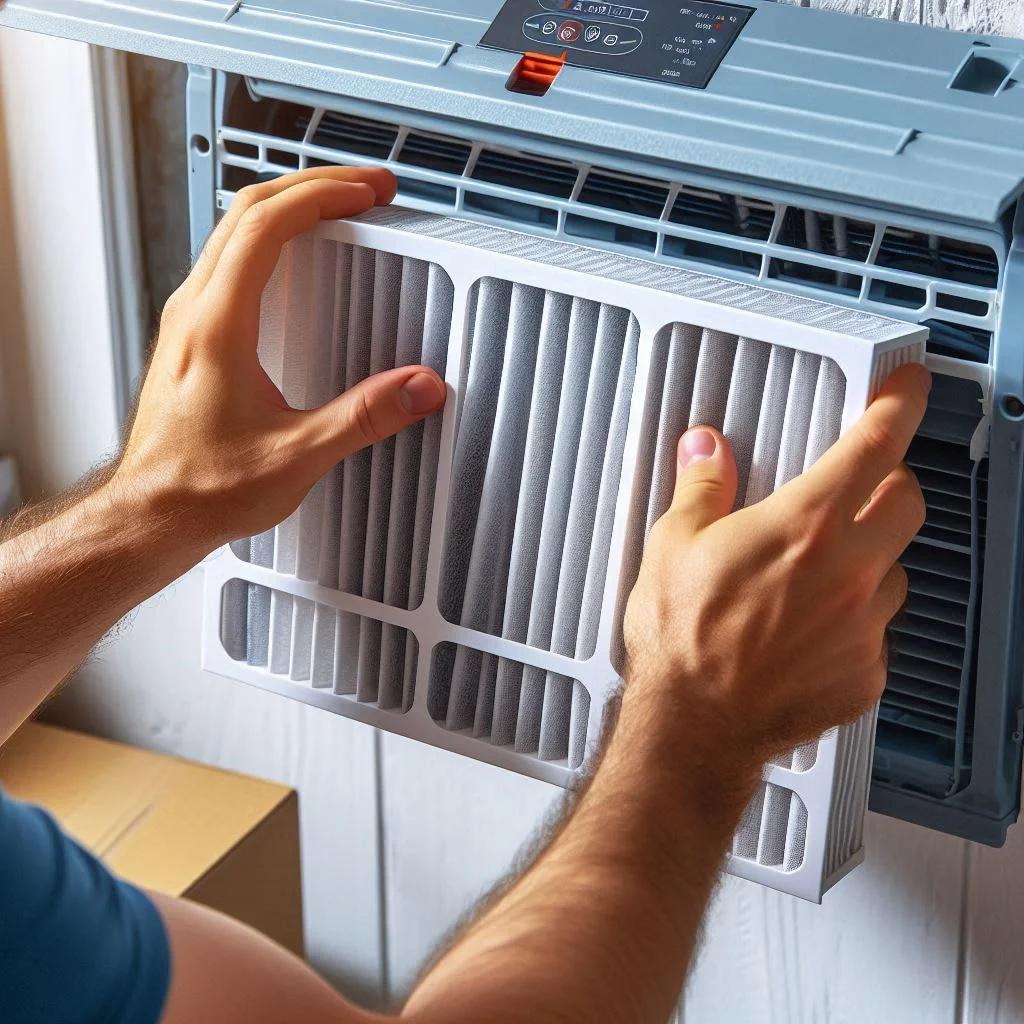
column 469, row 253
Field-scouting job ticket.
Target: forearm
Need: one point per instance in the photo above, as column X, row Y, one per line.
column 65, row 581
column 605, row 924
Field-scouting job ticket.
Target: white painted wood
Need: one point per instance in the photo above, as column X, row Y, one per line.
column 994, row 934
column 991, row 17
column 58, row 365
column 882, row 948
column 896, row 10
column 144, row 686
column 452, row 830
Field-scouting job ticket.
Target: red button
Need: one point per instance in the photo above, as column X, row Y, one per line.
column 569, row 31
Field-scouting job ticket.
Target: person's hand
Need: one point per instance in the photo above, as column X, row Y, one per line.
column 214, row 443
column 761, row 629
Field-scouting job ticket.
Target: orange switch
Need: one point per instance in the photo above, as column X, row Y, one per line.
column 535, row 72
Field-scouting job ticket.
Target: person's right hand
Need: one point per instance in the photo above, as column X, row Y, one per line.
column 761, row 629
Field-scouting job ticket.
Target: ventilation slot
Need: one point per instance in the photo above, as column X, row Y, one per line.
column 357, row 135
column 773, row 829
column 303, row 641
column 630, row 195
column 959, row 341
column 723, row 213
column 933, row 256
column 894, row 294
column 548, row 381
column 828, row 234
column 526, row 173
column 927, row 706
column 435, row 152
column 365, row 528
column 269, row 116
column 245, row 150
column 634, row 196
column 809, row 275
column 944, row 472
column 492, row 697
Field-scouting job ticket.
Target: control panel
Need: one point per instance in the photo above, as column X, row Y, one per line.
column 667, row 41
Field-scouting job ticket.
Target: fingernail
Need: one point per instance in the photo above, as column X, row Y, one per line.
column 696, row 446
column 421, row 393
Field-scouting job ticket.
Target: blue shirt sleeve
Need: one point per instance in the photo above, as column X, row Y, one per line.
column 77, row 946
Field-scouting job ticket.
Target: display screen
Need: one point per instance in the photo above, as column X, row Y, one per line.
column 672, row 42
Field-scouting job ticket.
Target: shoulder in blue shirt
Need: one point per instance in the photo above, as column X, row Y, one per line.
column 77, row 945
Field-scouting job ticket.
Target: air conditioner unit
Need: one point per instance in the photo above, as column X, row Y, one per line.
column 697, row 190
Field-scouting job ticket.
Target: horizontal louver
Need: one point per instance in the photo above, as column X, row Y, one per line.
column 926, row 706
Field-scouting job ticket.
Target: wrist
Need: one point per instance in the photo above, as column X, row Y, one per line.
column 158, row 520
column 705, row 752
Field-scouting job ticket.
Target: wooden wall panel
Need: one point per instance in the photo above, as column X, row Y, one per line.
column 453, row 828
column 883, row 947
column 994, row 934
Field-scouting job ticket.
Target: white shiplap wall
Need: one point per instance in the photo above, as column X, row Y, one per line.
column 399, row 840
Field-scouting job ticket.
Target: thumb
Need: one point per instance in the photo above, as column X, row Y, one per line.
column 375, row 409
column 705, row 479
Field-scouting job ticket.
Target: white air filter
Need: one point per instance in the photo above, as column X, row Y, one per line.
column 463, row 583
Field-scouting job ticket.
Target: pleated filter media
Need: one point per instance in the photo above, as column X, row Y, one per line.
column 463, row 583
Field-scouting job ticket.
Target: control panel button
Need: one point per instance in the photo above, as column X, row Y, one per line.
column 569, row 31
column 606, row 38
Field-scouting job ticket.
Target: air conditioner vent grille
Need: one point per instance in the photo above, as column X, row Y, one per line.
column 948, row 283
column 927, row 707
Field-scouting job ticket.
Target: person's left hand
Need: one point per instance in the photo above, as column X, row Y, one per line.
column 214, row 444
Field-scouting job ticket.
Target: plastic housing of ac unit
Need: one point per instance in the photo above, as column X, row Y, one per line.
column 864, row 347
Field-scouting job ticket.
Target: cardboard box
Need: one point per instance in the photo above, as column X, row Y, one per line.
column 224, row 840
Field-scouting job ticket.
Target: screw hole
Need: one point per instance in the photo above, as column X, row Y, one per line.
column 201, row 144
column 1013, row 407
